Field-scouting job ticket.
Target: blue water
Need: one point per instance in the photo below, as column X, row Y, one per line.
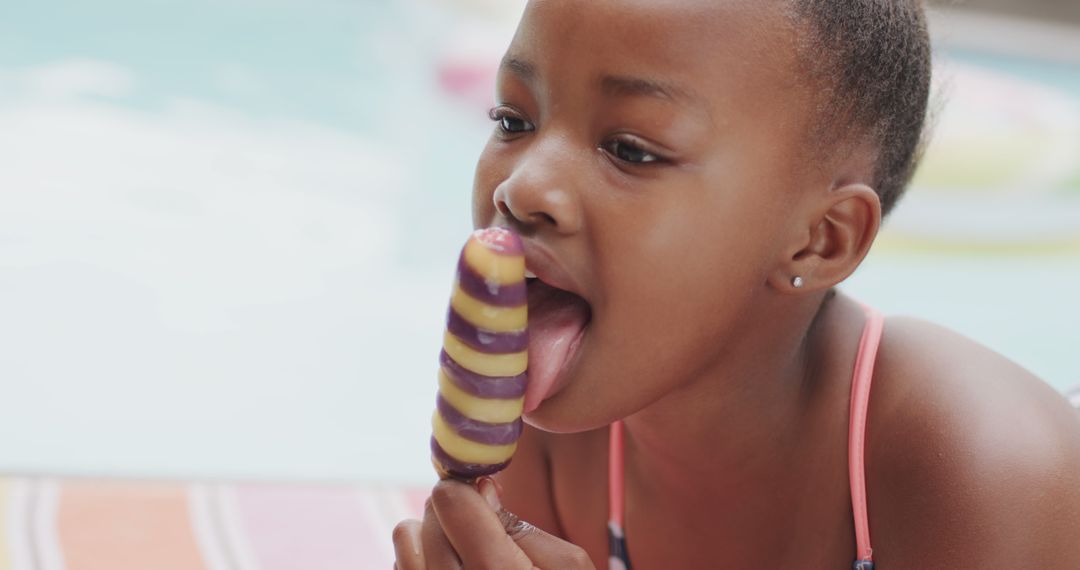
column 1057, row 74
column 227, row 232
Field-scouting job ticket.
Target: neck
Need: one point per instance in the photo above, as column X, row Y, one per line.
column 733, row 423
column 761, row 433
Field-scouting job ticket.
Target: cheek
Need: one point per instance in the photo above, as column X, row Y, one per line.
column 686, row 300
column 683, row 286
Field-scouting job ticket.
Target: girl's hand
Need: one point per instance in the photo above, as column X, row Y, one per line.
column 467, row 528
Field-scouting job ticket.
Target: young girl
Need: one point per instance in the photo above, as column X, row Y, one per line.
column 691, row 179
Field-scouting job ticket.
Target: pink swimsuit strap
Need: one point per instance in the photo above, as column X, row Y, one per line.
column 860, row 404
column 860, row 401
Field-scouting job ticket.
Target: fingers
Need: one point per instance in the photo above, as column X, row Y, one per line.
column 408, row 549
column 438, row 552
column 466, row 528
column 545, row 551
column 423, row 545
column 473, row 528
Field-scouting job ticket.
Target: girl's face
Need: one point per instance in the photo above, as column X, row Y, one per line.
column 649, row 152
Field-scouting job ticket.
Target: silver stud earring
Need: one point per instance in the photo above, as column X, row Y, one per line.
column 797, row 282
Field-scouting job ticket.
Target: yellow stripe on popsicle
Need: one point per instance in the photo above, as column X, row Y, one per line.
column 502, row 269
column 467, row 451
column 487, row 410
column 497, row 365
column 488, row 317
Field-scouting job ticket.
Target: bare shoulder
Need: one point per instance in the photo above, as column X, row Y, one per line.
column 972, row 462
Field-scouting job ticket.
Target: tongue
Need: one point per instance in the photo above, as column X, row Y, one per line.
column 556, row 318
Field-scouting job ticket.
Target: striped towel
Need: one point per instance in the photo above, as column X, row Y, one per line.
column 54, row 524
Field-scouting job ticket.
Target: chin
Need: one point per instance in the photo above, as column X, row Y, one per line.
column 568, row 413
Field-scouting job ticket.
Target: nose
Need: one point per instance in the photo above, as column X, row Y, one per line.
column 541, row 191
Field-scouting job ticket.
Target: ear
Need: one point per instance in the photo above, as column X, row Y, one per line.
column 832, row 241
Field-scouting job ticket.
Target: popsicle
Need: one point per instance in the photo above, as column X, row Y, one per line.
column 484, row 360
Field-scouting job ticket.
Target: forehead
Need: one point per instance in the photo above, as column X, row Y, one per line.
column 712, row 49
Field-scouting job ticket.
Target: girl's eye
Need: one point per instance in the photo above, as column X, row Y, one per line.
column 514, row 125
column 631, row 153
column 509, row 124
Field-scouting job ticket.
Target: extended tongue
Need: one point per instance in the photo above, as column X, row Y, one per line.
column 556, row 319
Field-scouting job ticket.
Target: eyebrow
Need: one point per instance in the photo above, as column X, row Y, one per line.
column 612, row 85
column 623, row 86
column 519, row 67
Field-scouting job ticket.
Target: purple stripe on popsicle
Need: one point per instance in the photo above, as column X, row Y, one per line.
column 492, row 387
column 485, row 341
column 463, row 470
column 491, row 293
column 480, row 432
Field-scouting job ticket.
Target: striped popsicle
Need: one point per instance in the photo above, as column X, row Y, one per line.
column 483, row 364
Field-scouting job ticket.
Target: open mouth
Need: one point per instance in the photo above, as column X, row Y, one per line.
column 557, row 322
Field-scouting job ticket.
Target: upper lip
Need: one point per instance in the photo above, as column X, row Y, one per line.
column 543, row 263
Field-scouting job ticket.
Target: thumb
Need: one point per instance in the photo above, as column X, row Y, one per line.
column 546, row 551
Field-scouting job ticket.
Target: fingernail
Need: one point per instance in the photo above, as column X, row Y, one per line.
column 491, row 495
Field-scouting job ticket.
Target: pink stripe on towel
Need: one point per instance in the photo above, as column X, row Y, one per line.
column 300, row 526
column 415, row 498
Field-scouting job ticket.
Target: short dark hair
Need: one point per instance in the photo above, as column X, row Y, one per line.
column 871, row 61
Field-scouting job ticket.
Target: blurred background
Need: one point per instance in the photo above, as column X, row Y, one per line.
column 228, row 229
